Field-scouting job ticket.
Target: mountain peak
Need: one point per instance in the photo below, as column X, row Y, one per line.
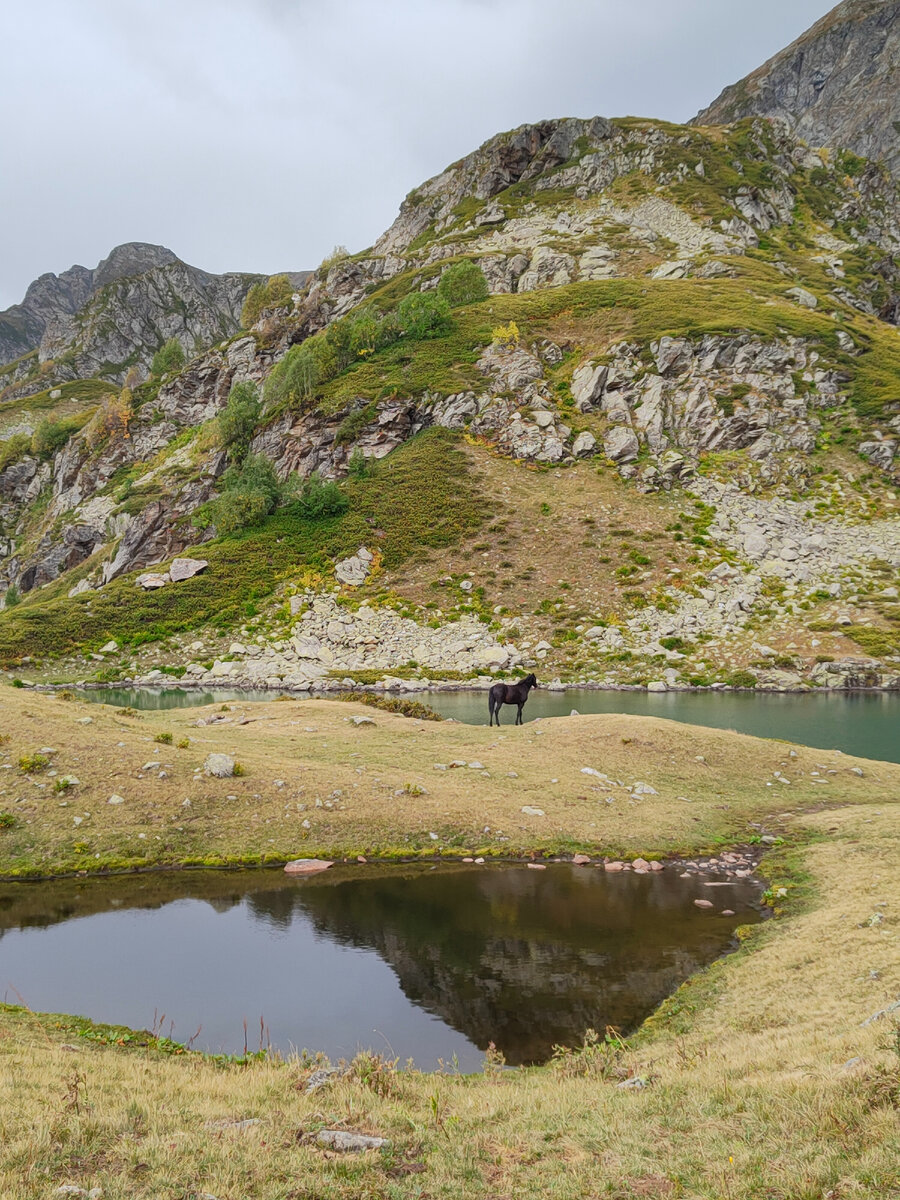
column 835, row 85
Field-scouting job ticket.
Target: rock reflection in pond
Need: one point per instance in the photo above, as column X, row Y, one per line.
column 524, row 959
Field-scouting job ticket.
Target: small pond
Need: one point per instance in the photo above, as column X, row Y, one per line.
column 425, row 962
column 866, row 724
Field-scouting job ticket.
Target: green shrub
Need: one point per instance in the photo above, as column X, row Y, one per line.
column 274, row 293
column 168, row 358
column 354, row 423
column 164, row 739
column 7, row 820
column 463, row 283
column 238, row 420
column 741, row 679
column 359, row 466
column 31, row 764
column 320, row 498
column 424, row 315
column 51, row 435
column 12, row 596
column 248, row 493
column 13, row 449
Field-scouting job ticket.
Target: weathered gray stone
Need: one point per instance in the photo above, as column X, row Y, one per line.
column 186, row 568
column 221, row 766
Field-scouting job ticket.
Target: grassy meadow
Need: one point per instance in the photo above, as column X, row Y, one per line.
column 763, row 1076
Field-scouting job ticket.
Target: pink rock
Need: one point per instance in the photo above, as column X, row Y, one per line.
column 581, row 860
column 307, row 866
column 704, row 903
column 656, row 866
column 361, row 858
column 468, row 860
column 615, row 866
column 727, row 912
column 641, row 864
column 536, row 866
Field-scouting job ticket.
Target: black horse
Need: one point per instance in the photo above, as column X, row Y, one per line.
column 510, row 693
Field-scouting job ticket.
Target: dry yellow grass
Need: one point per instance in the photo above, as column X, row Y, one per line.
column 763, row 1081
column 315, row 783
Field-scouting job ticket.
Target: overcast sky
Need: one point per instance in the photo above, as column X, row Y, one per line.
column 257, row 134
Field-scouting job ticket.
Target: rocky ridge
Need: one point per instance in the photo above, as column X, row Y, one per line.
column 100, row 323
column 834, row 86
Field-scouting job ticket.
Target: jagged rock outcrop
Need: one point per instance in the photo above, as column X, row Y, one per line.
column 836, row 85
column 52, row 298
column 99, row 323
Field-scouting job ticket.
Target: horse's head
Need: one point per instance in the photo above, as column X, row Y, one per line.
column 530, row 680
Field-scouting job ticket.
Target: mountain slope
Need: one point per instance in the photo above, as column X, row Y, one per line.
column 99, row 323
column 836, row 85
column 658, row 442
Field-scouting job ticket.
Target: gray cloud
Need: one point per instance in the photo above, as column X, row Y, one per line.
column 256, row 134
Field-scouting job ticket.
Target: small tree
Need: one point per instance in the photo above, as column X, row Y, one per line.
column 51, row 436
column 463, row 283
column 424, row 315
column 168, row 358
column 274, row 293
column 238, row 420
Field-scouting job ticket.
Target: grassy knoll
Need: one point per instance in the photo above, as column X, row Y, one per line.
column 374, row 789
column 763, row 1081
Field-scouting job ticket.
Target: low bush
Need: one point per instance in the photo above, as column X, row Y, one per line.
column 248, row 493
column 463, row 283
column 274, row 293
column 320, row 498
column 238, row 420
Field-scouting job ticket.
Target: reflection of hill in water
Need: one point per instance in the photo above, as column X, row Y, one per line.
column 526, row 959
column 522, row 958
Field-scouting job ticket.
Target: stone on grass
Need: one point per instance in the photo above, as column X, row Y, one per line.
column 219, row 765
column 348, row 1142
column 530, row 811
column 186, row 568
column 152, row 579
column 581, row 860
column 114, row 799
column 307, row 866
column 362, row 721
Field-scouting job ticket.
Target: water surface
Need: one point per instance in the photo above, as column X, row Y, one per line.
column 430, row 963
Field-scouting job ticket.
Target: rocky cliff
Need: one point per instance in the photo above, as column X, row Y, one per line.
column 837, row 85
column 99, row 323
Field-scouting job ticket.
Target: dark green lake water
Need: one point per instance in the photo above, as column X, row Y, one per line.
column 430, row 963
column 866, row 724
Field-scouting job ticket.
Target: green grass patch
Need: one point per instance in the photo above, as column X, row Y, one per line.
column 421, row 496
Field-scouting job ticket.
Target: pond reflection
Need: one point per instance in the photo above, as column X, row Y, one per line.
column 417, row 961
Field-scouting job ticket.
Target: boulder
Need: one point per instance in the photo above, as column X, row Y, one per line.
column 584, row 445
column 347, row 1142
column 621, row 445
column 221, row 766
column 588, row 383
column 355, row 570
column 152, row 579
column 802, row 297
column 186, row 568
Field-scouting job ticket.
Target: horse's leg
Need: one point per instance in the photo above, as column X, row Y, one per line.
column 519, row 720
